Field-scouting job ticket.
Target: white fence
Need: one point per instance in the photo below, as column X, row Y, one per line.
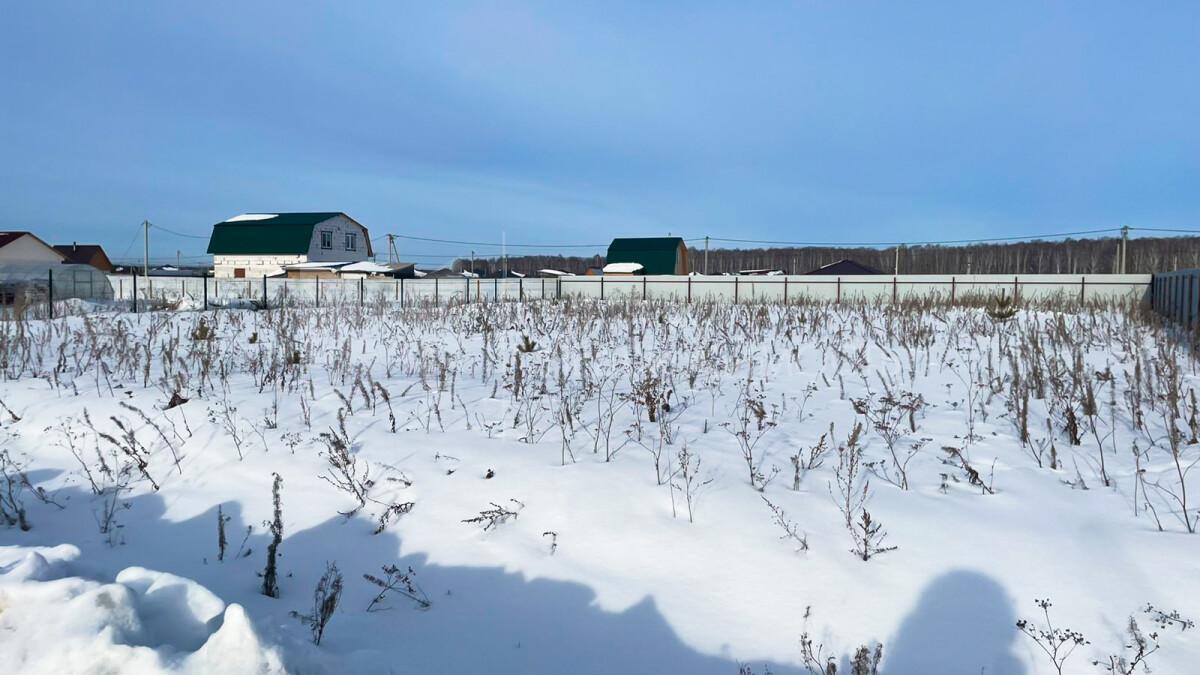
column 1026, row 287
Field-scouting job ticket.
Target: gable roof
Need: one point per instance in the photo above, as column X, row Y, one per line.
column 7, row 238
column 657, row 255
column 270, row 233
column 82, row 254
column 845, row 267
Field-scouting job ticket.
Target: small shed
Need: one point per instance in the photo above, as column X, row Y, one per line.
column 656, row 255
column 844, row 268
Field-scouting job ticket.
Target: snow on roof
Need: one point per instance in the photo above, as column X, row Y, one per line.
column 419, row 274
column 367, row 267
column 555, row 273
column 315, row 265
column 252, row 216
column 623, row 268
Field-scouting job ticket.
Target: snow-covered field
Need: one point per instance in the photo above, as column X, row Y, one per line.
column 582, row 487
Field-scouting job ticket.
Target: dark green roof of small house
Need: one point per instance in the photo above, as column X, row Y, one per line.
column 657, row 255
column 282, row 234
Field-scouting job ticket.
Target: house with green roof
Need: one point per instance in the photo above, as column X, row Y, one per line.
column 262, row 244
column 656, row 255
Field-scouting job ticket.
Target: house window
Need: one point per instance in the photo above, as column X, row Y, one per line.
column 327, row 240
column 351, row 241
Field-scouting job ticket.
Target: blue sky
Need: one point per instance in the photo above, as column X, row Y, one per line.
column 572, row 122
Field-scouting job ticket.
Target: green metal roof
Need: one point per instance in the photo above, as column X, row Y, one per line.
column 657, row 255
column 283, row 234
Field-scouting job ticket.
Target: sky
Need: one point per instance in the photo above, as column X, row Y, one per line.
column 569, row 123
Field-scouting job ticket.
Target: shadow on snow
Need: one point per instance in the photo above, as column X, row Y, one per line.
column 482, row 619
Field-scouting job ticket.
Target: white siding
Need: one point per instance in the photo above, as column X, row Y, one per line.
column 256, row 265
column 26, row 249
column 339, row 226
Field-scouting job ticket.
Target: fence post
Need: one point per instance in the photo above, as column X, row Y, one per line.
column 402, row 292
column 264, row 290
column 1082, row 287
column 521, row 289
column 135, row 293
column 204, row 280
column 435, row 290
column 318, row 294
column 558, row 288
column 496, row 289
column 785, row 295
column 689, row 288
column 1192, row 301
column 1015, row 289
column 894, row 290
column 644, row 286
column 735, row 290
column 839, row 291
column 50, row 291
column 601, row 288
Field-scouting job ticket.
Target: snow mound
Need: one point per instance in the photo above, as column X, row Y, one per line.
column 145, row 622
column 35, row 563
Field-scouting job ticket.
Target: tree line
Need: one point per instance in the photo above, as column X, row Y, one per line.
column 1069, row 256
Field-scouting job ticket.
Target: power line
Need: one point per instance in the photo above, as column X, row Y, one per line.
column 498, row 244
column 913, row 243
column 842, row 244
column 1163, row 229
column 178, row 234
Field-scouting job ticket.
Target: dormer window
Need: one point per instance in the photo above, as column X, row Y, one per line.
column 351, row 241
column 327, row 240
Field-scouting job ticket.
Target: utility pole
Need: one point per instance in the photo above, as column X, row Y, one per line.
column 178, row 264
column 706, row 255
column 393, row 256
column 472, row 270
column 968, row 263
column 146, row 248
column 896, row 270
column 1124, row 245
column 504, row 251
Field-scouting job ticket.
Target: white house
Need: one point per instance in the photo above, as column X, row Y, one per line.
column 24, row 247
column 262, row 244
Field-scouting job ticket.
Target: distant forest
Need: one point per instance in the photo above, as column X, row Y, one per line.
column 1069, row 256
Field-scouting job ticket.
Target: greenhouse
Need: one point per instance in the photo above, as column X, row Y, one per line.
column 23, row 284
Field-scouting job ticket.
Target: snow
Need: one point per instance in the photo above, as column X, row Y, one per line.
column 632, row 586
column 622, row 268
column 367, row 267
column 142, row 622
column 252, row 216
column 315, row 265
